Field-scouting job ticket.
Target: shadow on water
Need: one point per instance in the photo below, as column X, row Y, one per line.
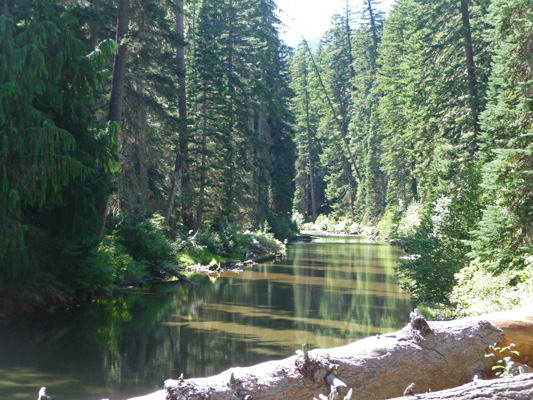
column 327, row 293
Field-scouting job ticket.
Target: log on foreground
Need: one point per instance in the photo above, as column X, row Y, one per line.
column 383, row 366
column 439, row 356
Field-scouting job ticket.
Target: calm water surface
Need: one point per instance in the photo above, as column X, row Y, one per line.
column 326, row 293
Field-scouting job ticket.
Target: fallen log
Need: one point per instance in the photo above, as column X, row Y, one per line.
column 516, row 388
column 435, row 355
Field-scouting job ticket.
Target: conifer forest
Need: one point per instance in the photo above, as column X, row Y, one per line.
column 141, row 136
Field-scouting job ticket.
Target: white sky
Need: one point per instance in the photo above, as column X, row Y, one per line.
column 311, row 18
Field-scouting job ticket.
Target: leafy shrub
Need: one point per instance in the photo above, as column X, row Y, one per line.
column 505, row 366
column 411, row 219
column 115, row 265
column 132, row 251
column 144, row 241
column 388, row 225
column 222, row 239
column 428, row 272
column 298, row 219
column 281, row 226
column 479, row 291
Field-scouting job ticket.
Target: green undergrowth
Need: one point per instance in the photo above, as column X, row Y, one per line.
column 134, row 251
column 327, row 223
column 479, row 291
column 227, row 244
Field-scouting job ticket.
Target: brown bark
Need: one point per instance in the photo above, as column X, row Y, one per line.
column 135, row 192
column 517, row 326
column 470, row 65
column 203, row 170
column 230, row 185
column 181, row 161
column 446, row 355
column 117, row 90
column 310, row 152
column 119, row 67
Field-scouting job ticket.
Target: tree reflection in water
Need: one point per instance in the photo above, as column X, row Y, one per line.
column 326, row 294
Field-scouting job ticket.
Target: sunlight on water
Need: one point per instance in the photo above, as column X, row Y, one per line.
column 326, row 293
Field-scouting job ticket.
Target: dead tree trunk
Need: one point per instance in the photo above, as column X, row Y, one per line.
column 438, row 356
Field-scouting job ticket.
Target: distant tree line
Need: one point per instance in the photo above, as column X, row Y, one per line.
column 429, row 110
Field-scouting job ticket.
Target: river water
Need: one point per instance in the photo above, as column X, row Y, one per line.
column 326, row 293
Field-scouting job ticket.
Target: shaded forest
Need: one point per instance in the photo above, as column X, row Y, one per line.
column 137, row 136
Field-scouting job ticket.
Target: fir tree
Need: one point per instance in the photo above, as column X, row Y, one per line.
column 54, row 155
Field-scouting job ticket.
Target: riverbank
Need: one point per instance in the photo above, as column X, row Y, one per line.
column 136, row 254
column 327, row 233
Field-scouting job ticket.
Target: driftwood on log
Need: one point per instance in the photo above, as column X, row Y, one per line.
column 434, row 356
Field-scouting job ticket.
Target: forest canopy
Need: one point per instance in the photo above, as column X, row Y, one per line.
column 136, row 133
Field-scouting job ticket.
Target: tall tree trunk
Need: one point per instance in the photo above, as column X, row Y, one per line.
column 119, row 67
column 373, row 30
column 117, row 90
column 194, row 25
column 349, row 41
column 470, row 66
column 230, row 185
column 182, row 155
column 203, row 167
column 310, row 152
column 134, row 191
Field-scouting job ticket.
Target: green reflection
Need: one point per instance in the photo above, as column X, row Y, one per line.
column 326, row 294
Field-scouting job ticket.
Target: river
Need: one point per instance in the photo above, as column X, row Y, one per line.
column 326, row 293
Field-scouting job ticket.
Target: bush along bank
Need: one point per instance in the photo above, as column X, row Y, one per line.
column 133, row 253
column 148, row 250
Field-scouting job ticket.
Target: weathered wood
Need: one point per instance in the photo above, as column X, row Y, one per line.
column 446, row 355
column 515, row 388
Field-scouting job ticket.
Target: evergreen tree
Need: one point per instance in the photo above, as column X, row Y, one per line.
column 504, row 236
column 305, row 127
column 54, row 155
